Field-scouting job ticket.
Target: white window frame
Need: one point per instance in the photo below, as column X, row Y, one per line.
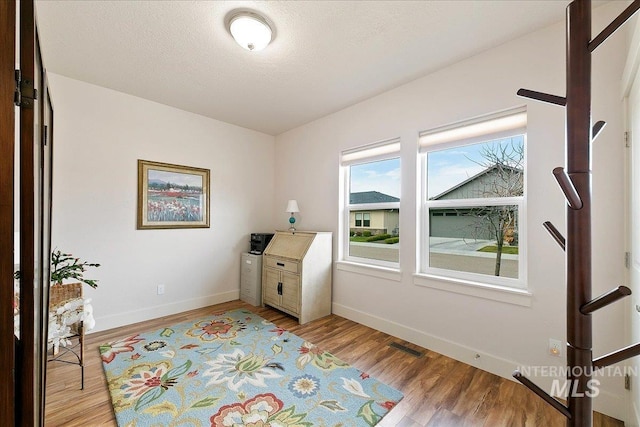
column 483, row 129
column 379, row 151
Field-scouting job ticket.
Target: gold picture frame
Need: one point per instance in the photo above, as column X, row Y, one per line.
column 172, row 196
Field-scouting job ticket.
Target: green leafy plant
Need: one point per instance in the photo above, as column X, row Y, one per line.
column 378, row 237
column 66, row 266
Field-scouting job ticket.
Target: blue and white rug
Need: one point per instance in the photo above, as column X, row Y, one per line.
column 237, row 369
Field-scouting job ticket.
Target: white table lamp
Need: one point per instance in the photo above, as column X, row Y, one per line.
column 292, row 207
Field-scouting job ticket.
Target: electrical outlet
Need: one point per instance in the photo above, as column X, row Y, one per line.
column 160, row 289
column 555, row 347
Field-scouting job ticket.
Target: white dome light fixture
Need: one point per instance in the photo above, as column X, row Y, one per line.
column 250, row 30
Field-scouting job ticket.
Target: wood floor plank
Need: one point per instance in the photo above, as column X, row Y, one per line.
column 439, row 391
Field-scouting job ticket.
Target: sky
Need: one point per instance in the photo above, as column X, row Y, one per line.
column 382, row 176
column 445, row 168
column 175, row 177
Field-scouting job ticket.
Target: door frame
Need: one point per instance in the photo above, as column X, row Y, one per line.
column 25, row 360
column 7, row 156
column 22, row 393
column 630, row 91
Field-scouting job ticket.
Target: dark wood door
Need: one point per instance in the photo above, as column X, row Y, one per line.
column 7, row 170
column 25, row 215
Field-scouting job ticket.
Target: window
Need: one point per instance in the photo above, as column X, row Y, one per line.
column 473, row 190
column 370, row 224
column 366, row 219
column 363, row 219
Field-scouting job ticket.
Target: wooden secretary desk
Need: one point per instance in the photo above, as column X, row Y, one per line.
column 296, row 274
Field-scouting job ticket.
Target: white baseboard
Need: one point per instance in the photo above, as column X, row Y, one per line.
column 129, row 317
column 607, row 403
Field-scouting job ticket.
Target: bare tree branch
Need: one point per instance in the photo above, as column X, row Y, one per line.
column 503, row 176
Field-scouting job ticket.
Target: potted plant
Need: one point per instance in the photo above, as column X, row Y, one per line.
column 65, row 266
column 68, row 310
column 69, row 313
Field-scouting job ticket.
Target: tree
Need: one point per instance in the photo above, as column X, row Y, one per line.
column 503, row 177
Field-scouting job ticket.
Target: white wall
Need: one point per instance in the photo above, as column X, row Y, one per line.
column 505, row 335
column 99, row 136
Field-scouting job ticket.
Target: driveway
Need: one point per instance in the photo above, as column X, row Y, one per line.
column 447, row 253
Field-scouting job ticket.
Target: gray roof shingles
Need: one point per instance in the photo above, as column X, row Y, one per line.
column 371, row 197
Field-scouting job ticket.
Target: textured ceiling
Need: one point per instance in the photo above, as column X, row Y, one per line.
column 326, row 55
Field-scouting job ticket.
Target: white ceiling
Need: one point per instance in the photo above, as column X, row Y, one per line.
column 326, row 55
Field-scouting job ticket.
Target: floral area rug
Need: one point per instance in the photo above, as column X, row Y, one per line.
column 237, row 369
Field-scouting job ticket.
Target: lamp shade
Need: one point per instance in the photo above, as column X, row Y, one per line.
column 250, row 31
column 292, row 206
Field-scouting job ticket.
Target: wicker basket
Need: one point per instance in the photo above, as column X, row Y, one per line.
column 60, row 294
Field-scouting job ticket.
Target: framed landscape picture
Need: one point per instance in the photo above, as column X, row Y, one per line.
column 172, row 196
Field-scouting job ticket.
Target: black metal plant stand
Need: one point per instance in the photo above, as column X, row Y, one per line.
column 575, row 182
column 75, row 352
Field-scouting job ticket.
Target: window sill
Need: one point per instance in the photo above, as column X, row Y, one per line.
column 492, row 292
column 370, row 270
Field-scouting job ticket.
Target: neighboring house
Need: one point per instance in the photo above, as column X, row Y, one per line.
column 467, row 223
column 377, row 221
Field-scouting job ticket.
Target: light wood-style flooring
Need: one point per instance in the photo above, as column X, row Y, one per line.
column 438, row 390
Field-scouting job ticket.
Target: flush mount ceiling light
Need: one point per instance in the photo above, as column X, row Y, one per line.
column 250, row 30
